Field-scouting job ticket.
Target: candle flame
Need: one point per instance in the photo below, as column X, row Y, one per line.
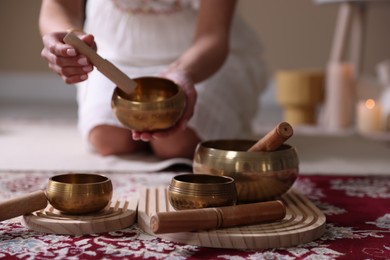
column 370, row 103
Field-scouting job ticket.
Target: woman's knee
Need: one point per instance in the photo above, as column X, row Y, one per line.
column 112, row 140
column 182, row 145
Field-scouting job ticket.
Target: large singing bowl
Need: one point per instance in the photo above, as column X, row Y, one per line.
column 259, row 176
column 156, row 104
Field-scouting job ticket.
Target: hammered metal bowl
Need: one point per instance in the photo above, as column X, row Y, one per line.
column 259, row 176
column 195, row 191
column 156, row 104
column 79, row 193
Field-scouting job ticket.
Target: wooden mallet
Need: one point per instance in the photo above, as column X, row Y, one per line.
column 218, row 217
column 273, row 139
column 122, row 81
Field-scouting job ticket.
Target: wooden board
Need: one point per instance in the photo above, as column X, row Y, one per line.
column 117, row 215
column 303, row 223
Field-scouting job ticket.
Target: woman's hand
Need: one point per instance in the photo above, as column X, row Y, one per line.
column 184, row 81
column 201, row 60
column 63, row 58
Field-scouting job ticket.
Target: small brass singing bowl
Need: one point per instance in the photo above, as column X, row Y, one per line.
column 190, row 191
column 155, row 104
column 259, row 176
column 79, row 193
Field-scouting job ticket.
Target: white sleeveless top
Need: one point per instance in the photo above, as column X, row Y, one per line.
column 141, row 42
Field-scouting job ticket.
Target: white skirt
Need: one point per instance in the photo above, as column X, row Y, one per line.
column 145, row 44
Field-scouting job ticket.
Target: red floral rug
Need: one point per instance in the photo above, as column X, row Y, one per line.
column 357, row 211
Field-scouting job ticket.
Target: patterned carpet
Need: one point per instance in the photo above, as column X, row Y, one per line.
column 346, row 176
column 356, row 208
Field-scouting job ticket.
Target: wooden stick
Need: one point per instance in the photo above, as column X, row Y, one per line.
column 274, row 139
column 213, row 218
column 108, row 69
column 22, row 205
column 341, row 32
column 358, row 35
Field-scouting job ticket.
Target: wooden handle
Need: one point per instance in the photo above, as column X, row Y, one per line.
column 108, row 69
column 22, row 205
column 212, row 218
column 274, row 139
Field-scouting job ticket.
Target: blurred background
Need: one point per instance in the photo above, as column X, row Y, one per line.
column 295, row 34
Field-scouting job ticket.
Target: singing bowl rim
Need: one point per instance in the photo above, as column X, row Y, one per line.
column 177, row 100
column 217, row 151
column 57, row 178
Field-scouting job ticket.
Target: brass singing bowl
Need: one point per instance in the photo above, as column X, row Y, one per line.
column 156, row 104
column 190, row 191
column 79, row 193
column 259, row 176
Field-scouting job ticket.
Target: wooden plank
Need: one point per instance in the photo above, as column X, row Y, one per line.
column 303, row 223
column 116, row 216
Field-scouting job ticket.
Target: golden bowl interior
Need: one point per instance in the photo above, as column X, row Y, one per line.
column 190, row 191
column 79, row 193
column 259, row 176
column 156, row 104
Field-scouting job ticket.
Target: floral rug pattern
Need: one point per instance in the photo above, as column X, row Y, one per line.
column 357, row 211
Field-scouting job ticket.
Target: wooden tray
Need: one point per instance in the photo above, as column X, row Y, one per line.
column 303, row 223
column 117, row 215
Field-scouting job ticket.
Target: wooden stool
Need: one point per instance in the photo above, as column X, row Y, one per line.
column 299, row 92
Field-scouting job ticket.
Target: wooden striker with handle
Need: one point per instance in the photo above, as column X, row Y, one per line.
column 219, row 217
column 273, row 139
column 22, row 205
column 126, row 84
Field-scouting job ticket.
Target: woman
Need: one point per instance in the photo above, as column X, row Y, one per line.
column 199, row 44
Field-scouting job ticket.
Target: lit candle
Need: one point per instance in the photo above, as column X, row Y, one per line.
column 368, row 116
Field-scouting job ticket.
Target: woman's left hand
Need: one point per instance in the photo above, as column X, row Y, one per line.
column 184, row 81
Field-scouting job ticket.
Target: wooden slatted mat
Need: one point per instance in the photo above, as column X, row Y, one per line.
column 303, row 223
column 117, row 215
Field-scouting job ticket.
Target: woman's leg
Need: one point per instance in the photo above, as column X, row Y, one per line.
column 181, row 144
column 113, row 140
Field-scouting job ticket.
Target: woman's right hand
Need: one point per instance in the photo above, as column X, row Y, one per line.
column 63, row 58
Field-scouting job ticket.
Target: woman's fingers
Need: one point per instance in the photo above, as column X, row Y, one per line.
column 142, row 136
column 64, row 60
